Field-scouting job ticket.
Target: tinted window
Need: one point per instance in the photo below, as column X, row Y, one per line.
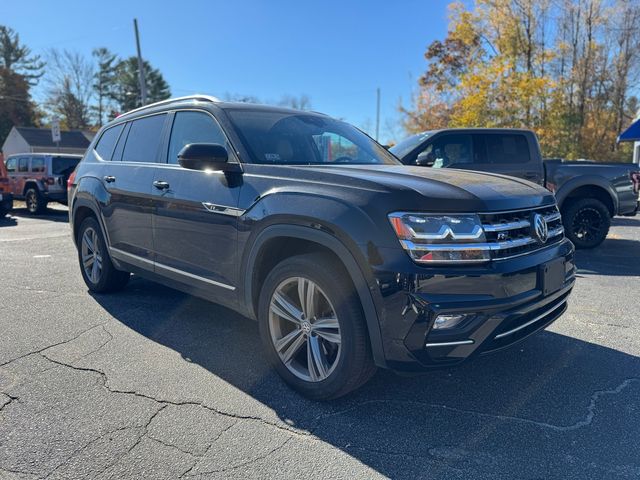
column 37, row 164
column 107, row 141
column 23, row 164
column 11, row 165
column 451, row 150
column 507, row 148
column 143, row 139
column 302, row 139
column 194, row 127
column 407, row 145
column 63, row 165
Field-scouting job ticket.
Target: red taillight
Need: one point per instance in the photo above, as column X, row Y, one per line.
column 71, row 179
column 635, row 178
column 51, row 181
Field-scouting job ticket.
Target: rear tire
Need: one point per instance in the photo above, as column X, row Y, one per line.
column 332, row 351
column 36, row 203
column 98, row 272
column 586, row 222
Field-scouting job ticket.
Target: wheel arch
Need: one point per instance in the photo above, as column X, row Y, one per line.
column 277, row 242
column 588, row 187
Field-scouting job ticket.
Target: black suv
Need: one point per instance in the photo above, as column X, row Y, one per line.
column 347, row 259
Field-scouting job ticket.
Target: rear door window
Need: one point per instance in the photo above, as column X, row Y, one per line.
column 144, row 139
column 506, row 148
column 63, row 165
column 107, row 142
column 37, row 164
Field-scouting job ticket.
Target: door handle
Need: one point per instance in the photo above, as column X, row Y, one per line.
column 109, row 178
column 160, row 185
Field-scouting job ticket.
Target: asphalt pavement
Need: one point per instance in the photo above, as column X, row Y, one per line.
column 153, row 383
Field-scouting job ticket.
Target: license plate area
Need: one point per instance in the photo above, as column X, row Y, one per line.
column 552, row 276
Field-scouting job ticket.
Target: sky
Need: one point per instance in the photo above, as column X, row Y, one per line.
column 336, row 52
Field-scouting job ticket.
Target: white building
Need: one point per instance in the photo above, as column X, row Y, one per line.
column 39, row 140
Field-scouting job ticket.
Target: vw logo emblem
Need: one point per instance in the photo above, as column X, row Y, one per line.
column 540, row 229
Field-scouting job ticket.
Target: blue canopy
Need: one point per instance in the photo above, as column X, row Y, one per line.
column 631, row 134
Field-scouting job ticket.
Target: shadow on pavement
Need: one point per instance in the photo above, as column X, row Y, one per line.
column 51, row 215
column 615, row 256
column 552, row 407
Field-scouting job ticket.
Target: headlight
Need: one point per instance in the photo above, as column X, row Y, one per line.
column 441, row 238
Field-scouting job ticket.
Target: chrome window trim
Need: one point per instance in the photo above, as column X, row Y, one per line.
column 117, row 251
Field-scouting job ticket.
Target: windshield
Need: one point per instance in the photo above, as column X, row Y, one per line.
column 63, row 165
column 409, row 144
column 282, row 138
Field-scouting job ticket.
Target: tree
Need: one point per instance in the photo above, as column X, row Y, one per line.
column 17, row 57
column 565, row 68
column 16, row 107
column 127, row 94
column 19, row 70
column 70, row 88
column 104, row 82
column 303, row 102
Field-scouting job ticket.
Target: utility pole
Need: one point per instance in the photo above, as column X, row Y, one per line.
column 141, row 77
column 378, row 114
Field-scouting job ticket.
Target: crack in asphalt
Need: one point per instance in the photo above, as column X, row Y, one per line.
column 87, row 445
column 145, row 428
column 585, row 422
column 7, row 402
column 558, row 428
column 204, row 454
column 54, row 345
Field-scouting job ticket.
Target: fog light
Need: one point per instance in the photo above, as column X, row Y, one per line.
column 448, row 321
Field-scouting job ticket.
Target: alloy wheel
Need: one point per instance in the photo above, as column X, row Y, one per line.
column 91, row 255
column 31, row 201
column 304, row 328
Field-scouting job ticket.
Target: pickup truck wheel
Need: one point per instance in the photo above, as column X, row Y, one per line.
column 97, row 269
column 35, row 201
column 313, row 328
column 586, row 222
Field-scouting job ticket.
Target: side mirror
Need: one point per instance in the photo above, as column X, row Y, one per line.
column 205, row 156
column 425, row 159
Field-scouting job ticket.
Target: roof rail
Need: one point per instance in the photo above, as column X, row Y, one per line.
column 197, row 97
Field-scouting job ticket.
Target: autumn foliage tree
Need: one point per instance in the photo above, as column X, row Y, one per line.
column 565, row 68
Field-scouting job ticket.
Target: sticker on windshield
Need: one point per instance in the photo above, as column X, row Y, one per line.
column 272, row 157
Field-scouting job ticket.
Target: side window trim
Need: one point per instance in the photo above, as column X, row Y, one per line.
column 116, row 156
column 232, row 151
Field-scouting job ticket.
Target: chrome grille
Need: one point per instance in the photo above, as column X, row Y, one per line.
column 511, row 233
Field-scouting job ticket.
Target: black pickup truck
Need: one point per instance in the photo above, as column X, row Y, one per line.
column 588, row 194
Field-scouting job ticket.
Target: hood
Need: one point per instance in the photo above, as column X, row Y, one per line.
column 442, row 189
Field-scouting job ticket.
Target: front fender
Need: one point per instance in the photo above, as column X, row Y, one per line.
column 362, row 279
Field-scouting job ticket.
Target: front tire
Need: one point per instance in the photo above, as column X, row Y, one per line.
column 586, row 222
column 98, row 272
column 313, row 329
column 36, row 203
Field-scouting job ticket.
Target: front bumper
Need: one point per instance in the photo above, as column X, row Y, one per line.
column 6, row 200
column 504, row 302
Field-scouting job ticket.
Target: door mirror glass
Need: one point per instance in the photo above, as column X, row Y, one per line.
column 204, row 156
